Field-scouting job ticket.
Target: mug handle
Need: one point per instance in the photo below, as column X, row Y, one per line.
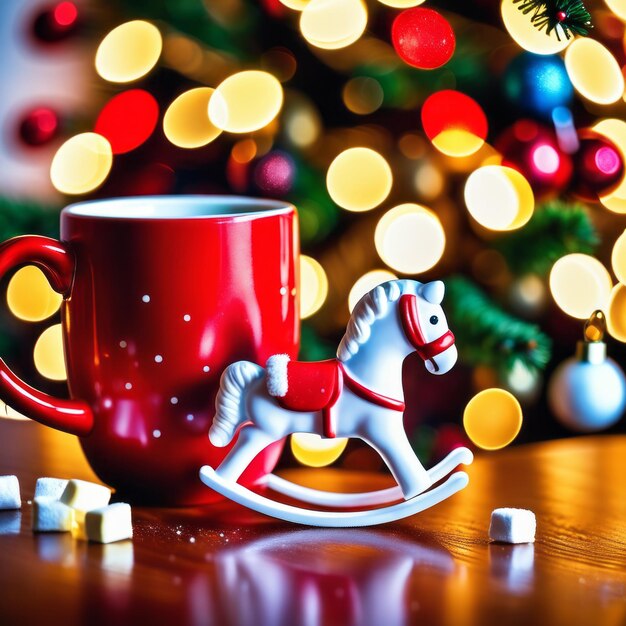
column 57, row 263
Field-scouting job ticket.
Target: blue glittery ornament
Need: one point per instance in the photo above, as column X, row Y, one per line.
column 538, row 83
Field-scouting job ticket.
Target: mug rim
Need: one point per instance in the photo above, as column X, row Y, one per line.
column 178, row 207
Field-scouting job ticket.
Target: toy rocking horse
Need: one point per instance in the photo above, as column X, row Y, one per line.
column 358, row 394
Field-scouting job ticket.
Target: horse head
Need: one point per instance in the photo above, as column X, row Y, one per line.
column 425, row 326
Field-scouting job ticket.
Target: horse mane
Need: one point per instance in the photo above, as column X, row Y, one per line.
column 372, row 306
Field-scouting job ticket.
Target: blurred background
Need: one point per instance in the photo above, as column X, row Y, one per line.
column 480, row 142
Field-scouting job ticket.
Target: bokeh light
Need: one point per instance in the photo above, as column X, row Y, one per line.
column 30, row 296
column 128, row 120
column 615, row 131
column 302, row 124
column 296, row 5
column 48, row 354
column 366, row 283
column 246, row 101
column 410, row 238
column 186, row 122
column 312, row 450
column 359, row 179
column 454, row 122
column 618, row 7
column 526, row 35
column 580, row 284
column 499, row 197
column 363, row 95
column 81, row 164
column 492, row 419
column 333, row 24
column 429, row 180
column 313, row 286
column 616, row 313
column 618, row 258
column 401, row 4
column 594, row 72
column 129, row 52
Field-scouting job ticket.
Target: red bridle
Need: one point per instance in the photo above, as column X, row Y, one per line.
column 413, row 331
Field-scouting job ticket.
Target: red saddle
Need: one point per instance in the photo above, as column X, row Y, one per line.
column 309, row 386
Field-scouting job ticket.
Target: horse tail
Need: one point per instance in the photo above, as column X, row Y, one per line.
column 230, row 410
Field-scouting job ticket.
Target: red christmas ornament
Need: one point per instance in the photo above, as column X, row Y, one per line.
column 128, row 120
column 423, row 38
column 533, row 150
column 57, row 22
column 39, row 126
column 598, row 165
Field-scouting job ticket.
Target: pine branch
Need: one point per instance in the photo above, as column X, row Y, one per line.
column 487, row 335
column 22, row 217
column 556, row 229
column 570, row 15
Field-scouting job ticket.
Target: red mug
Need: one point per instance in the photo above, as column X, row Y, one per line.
column 160, row 294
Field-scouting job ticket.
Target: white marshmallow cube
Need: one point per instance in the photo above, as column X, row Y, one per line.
column 51, row 515
column 9, row 493
column 110, row 523
column 85, row 496
column 50, row 487
column 513, row 526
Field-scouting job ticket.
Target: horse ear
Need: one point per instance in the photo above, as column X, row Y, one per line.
column 433, row 291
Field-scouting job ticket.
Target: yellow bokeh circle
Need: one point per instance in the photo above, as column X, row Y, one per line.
column 457, row 142
column 499, row 197
column 246, row 101
column 81, row 164
column 618, row 258
column 401, row 4
column 580, row 284
column 618, row 7
column 526, row 35
column 313, row 286
column 296, row 5
column 333, row 24
column 30, row 296
column 186, row 122
column 594, row 72
column 129, row 52
column 410, row 238
column 363, row 95
column 615, row 131
column 359, row 179
column 616, row 314
column 48, row 354
column 312, row 450
column 492, row 419
column 366, row 283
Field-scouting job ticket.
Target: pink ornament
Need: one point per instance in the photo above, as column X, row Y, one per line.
column 274, row 173
column 39, row 126
column 532, row 149
column 423, row 38
column 598, row 166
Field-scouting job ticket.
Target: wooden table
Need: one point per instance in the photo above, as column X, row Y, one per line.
column 224, row 565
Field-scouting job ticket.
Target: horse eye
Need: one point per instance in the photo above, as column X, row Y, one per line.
column 434, row 320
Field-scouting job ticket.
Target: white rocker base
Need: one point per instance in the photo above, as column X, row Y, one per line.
column 458, row 456
column 332, row 519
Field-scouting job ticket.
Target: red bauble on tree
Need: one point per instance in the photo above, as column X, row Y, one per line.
column 533, row 150
column 598, row 166
column 423, row 38
column 39, row 126
column 57, row 22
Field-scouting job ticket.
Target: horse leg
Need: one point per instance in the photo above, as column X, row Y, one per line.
column 393, row 446
column 251, row 441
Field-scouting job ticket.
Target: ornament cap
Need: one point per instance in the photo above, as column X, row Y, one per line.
column 593, row 352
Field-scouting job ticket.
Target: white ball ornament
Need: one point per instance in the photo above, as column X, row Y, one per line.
column 588, row 392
